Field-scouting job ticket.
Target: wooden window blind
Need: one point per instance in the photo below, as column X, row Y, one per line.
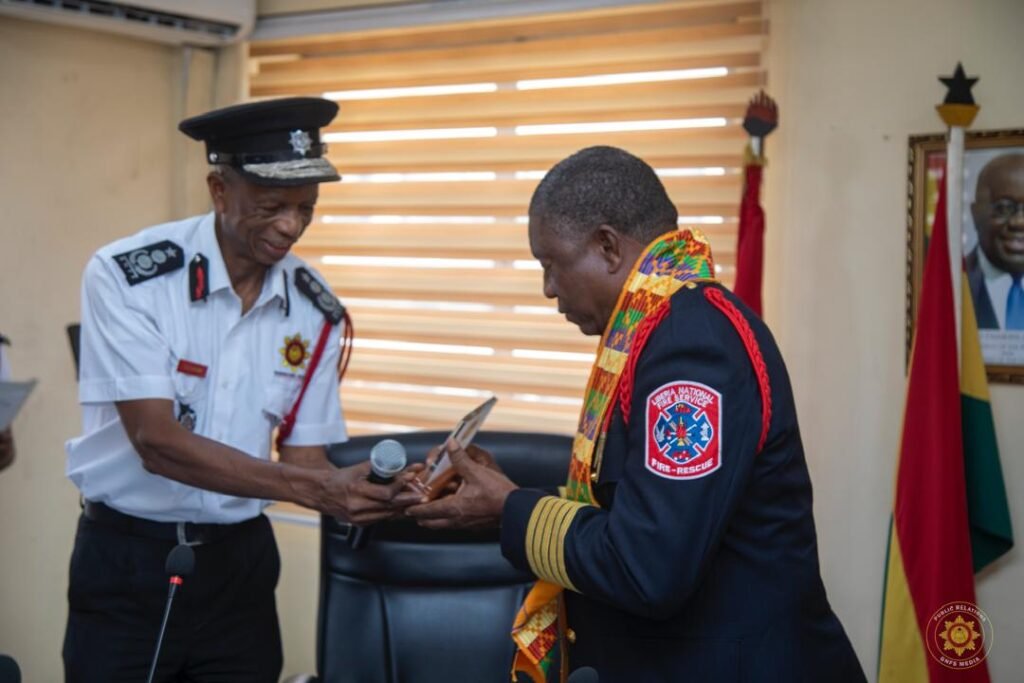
column 425, row 239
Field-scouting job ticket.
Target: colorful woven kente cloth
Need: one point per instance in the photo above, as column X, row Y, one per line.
column 670, row 262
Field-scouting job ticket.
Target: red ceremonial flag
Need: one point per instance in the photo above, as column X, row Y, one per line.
column 932, row 631
column 750, row 247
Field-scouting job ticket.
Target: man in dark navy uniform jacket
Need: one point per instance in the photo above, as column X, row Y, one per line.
column 708, row 576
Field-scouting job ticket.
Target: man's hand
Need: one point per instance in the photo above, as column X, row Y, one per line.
column 482, row 457
column 475, row 453
column 6, row 448
column 479, row 499
column 411, row 495
column 348, row 494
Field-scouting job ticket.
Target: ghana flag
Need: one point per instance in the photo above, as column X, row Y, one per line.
column 932, row 629
column 987, row 509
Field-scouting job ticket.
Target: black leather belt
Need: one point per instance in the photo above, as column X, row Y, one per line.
column 180, row 532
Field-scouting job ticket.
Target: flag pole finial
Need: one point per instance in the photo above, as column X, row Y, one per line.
column 958, row 108
column 957, row 111
column 762, row 118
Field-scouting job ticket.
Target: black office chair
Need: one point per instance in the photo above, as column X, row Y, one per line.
column 421, row 606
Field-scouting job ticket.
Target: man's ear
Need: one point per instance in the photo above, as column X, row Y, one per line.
column 218, row 190
column 609, row 245
column 616, row 249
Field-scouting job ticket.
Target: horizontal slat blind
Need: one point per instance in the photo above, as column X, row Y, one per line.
column 425, row 240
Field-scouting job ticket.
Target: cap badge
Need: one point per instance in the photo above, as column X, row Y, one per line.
column 300, row 141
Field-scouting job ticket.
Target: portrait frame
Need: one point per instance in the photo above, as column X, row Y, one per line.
column 1003, row 350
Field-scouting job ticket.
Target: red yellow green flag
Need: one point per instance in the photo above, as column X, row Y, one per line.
column 987, row 507
column 929, row 632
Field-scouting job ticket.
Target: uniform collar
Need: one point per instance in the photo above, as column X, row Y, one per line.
column 206, row 244
column 275, row 282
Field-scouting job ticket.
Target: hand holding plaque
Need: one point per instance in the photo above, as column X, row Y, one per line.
column 478, row 500
column 439, row 471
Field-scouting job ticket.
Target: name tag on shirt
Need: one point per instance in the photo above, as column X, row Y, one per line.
column 187, row 367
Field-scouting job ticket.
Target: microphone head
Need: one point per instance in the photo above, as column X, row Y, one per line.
column 180, row 561
column 585, row 674
column 387, row 458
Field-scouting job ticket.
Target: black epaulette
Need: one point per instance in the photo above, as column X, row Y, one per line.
column 321, row 297
column 150, row 261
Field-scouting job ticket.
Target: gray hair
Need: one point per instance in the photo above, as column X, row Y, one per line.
column 604, row 186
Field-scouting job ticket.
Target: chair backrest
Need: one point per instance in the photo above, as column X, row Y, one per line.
column 418, row 606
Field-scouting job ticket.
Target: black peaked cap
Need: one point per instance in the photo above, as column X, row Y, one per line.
column 271, row 142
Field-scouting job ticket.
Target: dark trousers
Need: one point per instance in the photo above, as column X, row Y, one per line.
column 223, row 624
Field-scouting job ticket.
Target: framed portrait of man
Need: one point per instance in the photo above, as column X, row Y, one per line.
column 993, row 238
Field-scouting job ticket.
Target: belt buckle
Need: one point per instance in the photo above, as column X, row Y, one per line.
column 182, row 536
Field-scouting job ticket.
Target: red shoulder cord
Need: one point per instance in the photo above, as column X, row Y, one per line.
column 288, row 423
column 640, row 337
column 719, row 301
column 348, row 336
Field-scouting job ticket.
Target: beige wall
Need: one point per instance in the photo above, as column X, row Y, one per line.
column 84, row 161
column 853, row 80
column 88, row 136
column 87, row 128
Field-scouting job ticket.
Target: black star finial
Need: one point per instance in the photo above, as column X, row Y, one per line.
column 959, row 87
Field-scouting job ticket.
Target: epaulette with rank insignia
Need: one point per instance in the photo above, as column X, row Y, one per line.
column 146, row 263
column 321, row 297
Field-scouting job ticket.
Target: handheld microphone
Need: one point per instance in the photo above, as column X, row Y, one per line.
column 387, row 459
column 180, row 563
column 585, row 674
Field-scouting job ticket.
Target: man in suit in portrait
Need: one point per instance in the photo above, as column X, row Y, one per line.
column 996, row 266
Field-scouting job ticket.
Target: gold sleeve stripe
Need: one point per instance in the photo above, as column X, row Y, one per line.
column 556, row 553
column 532, row 531
column 537, row 532
column 545, row 539
column 534, row 536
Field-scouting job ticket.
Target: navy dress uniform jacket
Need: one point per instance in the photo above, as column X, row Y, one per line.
column 705, row 579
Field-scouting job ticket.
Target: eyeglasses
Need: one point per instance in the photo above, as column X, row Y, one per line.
column 1005, row 209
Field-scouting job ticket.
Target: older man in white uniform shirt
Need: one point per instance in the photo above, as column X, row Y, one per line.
column 198, row 339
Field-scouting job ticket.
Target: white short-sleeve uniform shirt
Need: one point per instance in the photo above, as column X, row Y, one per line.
column 147, row 334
